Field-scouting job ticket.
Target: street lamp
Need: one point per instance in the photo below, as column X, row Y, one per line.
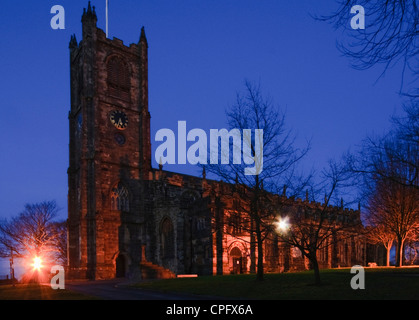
column 282, row 224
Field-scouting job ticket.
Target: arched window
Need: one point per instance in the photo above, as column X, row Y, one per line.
column 235, row 222
column 120, row 198
column 167, row 239
column 118, row 78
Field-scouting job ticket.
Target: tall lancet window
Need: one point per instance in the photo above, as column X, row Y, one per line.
column 118, row 78
column 167, row 239
column 120, row 198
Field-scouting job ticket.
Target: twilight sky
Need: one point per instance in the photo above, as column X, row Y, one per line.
column 200, row 53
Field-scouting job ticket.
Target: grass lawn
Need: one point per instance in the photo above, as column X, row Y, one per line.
column 37, row 292
column 380, row 283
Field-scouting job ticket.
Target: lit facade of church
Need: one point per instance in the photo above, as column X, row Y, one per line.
column 127, row 219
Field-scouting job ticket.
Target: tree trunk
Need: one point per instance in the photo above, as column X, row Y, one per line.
column 315, row 264
column 388, row 257
column 388, row 247
column 219, row 238
column 252, row 249
column 259, row 275
column 255, row 213
column 399, row 252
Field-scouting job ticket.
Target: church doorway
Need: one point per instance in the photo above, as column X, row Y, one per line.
column 236, row 261
column 167, row 243
column 120, row 266
column 237, row 265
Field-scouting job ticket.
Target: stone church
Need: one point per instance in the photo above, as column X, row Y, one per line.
column 128, row 219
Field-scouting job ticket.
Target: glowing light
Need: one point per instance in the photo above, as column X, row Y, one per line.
column 37, row 263
column 282, row 224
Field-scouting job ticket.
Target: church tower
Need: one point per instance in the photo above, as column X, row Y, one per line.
column 109, row 152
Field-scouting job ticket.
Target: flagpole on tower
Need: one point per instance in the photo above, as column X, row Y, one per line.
column 107, row 18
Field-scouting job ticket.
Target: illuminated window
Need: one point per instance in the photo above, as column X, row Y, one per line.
column 118, row 78
column 120, row 198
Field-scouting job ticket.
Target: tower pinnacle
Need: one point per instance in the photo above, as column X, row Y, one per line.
column 90, row 13
column 143, row 38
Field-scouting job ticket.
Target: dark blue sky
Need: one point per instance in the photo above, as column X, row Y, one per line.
column 200, row 52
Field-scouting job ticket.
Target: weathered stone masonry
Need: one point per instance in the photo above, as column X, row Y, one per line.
column 127, row 219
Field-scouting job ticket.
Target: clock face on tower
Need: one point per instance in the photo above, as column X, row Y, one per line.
column 119, row 119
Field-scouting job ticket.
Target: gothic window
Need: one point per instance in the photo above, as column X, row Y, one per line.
column 322, row 254
column 167, row 239
column 118, row 78
column 200, row 224
column 236, row 223
column 120, row 198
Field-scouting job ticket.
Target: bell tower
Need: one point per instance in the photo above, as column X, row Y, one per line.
column 109, row 152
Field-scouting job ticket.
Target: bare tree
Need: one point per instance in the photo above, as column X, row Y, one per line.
column 406, row 134
column 388, row 172
column 408, row 125
column 59, row 229
column 380, row 234
column 390, row 33
column 396, row 208
column 314, row 227
column 33, row 233
column 390, row 36
column 389, row 166
column 271, row 151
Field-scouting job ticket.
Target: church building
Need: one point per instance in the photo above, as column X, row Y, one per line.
column 128, row 219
